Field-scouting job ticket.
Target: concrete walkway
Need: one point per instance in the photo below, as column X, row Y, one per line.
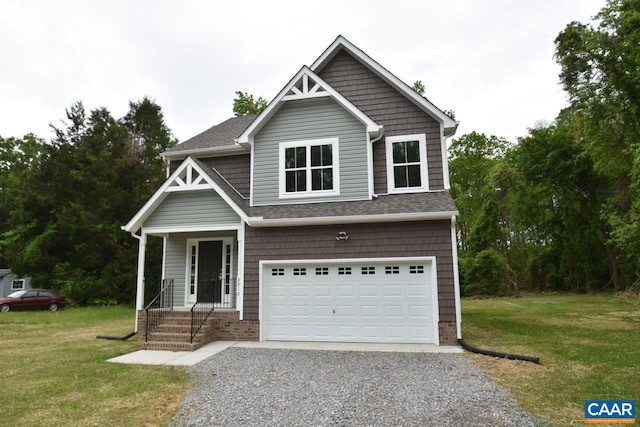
column 189, row 358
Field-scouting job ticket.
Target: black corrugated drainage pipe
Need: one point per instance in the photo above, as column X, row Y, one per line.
column 497, row 353
column 122, row 338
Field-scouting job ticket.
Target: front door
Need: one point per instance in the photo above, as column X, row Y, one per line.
column 209, row 271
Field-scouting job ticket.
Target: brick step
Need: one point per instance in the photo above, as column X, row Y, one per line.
column 174, row 336
column 175, row 327
column 171, row 345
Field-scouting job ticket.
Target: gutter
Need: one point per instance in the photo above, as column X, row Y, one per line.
column 353, row 219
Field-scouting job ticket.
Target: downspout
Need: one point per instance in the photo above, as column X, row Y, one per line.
column 135, row 328
column 373, row 141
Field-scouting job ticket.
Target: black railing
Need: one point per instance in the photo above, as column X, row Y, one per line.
column 202, row 309
column 159, row 307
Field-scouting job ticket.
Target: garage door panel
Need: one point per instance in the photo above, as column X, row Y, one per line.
column 369, row 302
column 322, row 332
column 322, row 290
column 300, row 311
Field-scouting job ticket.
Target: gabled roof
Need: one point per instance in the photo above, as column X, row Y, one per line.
column 190, row 175
column 340, row 43
column 304, row 85
column 219, row 138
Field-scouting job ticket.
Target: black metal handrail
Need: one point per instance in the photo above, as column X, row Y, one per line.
column 203, row 307
column 159, row 307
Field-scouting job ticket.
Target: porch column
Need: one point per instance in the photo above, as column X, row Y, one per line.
column 142, row 247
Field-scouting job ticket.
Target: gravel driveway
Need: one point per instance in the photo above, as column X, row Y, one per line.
column 269, row 387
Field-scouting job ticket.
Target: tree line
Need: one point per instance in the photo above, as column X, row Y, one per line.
column 558, row 210
column 63, row 202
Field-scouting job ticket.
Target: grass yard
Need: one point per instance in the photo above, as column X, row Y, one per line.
column 589, row 348
column 54, row 372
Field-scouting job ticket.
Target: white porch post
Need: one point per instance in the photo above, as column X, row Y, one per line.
column 240, row 281
column 142, row 247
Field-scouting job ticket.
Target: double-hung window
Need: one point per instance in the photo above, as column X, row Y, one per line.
column 309, row 168
column 407, row 163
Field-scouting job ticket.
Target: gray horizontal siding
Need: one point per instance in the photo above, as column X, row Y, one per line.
column 388, row 107
column 175, row 267
column 306, row 120
column 192, row 208
column 403, row 239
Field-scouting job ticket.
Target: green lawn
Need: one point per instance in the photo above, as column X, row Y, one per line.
column 54, row 372
column 589, row 348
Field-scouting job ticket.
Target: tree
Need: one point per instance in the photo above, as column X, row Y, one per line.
column 244, row 104
column 418, row 87
column 64, row 227
column 600, row 69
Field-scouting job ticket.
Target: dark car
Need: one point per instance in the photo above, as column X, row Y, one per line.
column 33, row 299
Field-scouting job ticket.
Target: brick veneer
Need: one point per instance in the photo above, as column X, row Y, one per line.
column 448, row 333
column 227, row 326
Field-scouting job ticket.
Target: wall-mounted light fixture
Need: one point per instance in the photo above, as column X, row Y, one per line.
column 342, row 235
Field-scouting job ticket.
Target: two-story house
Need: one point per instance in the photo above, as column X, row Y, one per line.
column 327, row 217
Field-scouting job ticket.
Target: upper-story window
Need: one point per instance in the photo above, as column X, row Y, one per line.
column 309, row 168
column 407, row 163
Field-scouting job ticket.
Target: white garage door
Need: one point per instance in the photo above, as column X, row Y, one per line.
column 372, row 301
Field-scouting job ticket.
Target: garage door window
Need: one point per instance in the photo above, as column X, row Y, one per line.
column 392, row 269
column 368, row 270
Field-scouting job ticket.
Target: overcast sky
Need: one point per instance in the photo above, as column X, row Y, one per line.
column 491, row 61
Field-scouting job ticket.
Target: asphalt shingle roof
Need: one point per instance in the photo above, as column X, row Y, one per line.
column 220, row 135
column 412, row 203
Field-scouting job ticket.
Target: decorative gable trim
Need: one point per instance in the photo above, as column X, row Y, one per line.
column 304, row 85
column 423, row 103
column 189, row 176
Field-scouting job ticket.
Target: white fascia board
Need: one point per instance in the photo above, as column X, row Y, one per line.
column 423, row 103
column 157, row 198
column 352, row 219
column 247, row 136
column 198, row 152
column 165, row 231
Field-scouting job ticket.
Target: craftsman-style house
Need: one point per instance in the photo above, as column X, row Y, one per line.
column 325, row 218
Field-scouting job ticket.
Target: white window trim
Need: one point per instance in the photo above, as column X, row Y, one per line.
column 309, row 193
column 424, row 175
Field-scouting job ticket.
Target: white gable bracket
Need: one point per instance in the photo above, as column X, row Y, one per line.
column 304, row 85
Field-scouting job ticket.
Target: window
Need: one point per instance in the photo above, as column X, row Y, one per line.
column 407, row 163
column 368, row 270
column 344, row 271
column 392, row 269
column 322, row 271
column 17, row 284
column 416, row 269
column 309, row 168
column 277, row 271
column 300, row 271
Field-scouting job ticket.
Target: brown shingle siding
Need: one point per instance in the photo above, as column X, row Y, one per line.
column 380, row 240
column 235, row 169
column 388, row 107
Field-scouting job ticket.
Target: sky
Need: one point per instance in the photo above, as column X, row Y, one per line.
column 490, row 61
